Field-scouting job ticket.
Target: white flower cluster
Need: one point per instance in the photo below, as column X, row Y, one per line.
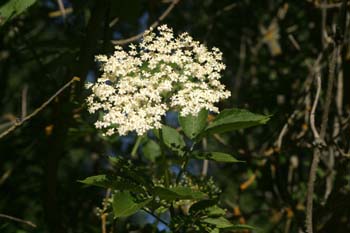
column 139, row 86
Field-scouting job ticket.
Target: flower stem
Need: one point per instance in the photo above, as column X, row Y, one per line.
column 136, row 146
column 164, row 161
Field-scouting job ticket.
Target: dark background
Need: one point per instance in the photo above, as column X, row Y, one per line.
column 270, row 48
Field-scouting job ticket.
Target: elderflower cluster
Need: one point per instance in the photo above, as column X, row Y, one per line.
column 138, row 86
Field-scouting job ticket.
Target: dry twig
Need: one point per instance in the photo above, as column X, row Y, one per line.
column 36, row 111
column 29, row 223
column 153, row 25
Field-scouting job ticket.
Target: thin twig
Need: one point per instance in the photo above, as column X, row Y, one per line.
column 319, row 138
column 29, row 223
column 240, row 71
column 313, row 109
column 205, row 162
column 104, row 209
column 61, row 7
column 284, row 130
column 153, row 25
column 327, row 6
column 314, row 69
column 36, row 111
column 24, row 101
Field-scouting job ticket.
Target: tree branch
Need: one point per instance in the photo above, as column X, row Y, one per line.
column 153, row 25
column 36, row 111
column 29, row 223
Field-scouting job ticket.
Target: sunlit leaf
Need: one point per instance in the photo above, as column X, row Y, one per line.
column 13, row 8
column 215, row 156
column 124, row 204
column 234, row 119
column 194, row 125
column 173, row 139
column 177, row 193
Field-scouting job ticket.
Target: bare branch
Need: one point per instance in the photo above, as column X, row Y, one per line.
column 153, row 25
column 36, row 111
column 319, row 138
column 29, row 223
column 313, row 109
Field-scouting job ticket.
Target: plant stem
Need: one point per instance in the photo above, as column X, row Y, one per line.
column 136, row 146
column 165, row 164
column 184, row 166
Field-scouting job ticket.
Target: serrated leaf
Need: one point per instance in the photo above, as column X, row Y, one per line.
column 234, row 119
column 177, row 193
column 124, row 204
column 151, row 150
column 215, row 156
column 173, row 140
column 194, row 125
column 13, row 8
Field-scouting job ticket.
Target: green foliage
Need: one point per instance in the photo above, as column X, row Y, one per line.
column 125, row 204
column 173, row 140
column 194, row 125
column 234, row 119
column 177, row 193
column 133, row 190
column 215, row 156
column 13, row 8
column 114, row 182
column 151, row 150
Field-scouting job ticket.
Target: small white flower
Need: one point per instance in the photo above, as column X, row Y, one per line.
column 137, row 87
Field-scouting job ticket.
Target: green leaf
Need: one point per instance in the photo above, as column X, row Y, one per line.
column 194, row 125
column 13, row 8
column 178, row 193
column 215, row 230
column 240, row 227
column 202, row 205
column 151, row 150
column 215, row 156
column 225, row 224
column 218, row 222
column 112, row 181
column 215, row 211
column 208, row 208
column 124, row 204
column 99, row 180
column 173, row 140
column 133, row 174
column 234, row 119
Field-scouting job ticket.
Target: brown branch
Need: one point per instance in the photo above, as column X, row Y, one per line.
column 153, row 25
column 24, row 101
column 319, row 138
column 313, row 109
column 104, row 214
column 61, row 7
column 29, row 223
column 205, row 162
column 314, row 70
column 36, row 111
column 328, row 6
